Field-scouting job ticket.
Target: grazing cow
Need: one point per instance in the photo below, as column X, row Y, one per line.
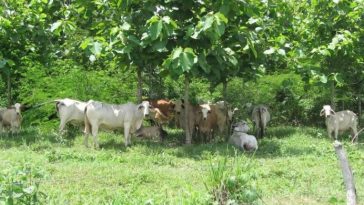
column 70, row 111
column 260, row 117
column 151, row 132
column 339, row 121
column 11, row 117
column 128, row 116
column 180, row 116
column 241, row 139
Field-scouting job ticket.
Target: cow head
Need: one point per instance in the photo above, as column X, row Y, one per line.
column 178, row 106
column 327, row 111
column 241, row 126
column 17, row 107
column 231, row 113
column 205, row 110
column 145, row 107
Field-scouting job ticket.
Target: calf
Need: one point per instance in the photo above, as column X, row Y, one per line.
column 261, row 117
column 151, row 132
column 339, row 121
column 128, row 116
column 241, row 139
column 70, row 111
column 11, row 117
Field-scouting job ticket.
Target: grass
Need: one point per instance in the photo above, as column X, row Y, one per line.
column 291, row 166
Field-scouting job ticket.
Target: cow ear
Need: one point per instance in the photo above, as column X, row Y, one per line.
column 183, row 100
column 140, row 107
column 183, row 106
column 322, row 112
column 332, row 111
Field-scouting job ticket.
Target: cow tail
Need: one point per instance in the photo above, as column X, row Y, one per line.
column 261, row 127
column 87, row 123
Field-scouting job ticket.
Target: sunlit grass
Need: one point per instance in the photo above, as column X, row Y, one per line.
column 291, row 166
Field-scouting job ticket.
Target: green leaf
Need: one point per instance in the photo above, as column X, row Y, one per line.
column 56, row 25
column 160, row 46
column 126, row 26
column 85, row 43
column 187, row 60
column 252, row 47
column 269, row 51
column 207, row 22
column 203, row 63
column 176, row 53
column 155, row 30
column 96, row 48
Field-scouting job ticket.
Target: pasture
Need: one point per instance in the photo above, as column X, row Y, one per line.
column 293, row 165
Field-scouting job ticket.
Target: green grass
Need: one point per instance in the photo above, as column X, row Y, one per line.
column 291, row 166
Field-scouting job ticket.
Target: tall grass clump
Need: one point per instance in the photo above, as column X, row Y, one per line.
column 232, row 181
column 20, row 185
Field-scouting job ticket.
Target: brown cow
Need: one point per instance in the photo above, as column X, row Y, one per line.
column 162, row 111
column 215, row 117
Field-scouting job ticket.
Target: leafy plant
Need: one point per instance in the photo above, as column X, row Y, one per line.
column 232, row 182
column 20, row 185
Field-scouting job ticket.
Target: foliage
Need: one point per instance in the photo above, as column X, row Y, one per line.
column 232, row 182
column 21, row 185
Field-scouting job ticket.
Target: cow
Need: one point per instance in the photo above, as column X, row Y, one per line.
column 241, row 139
column 260, row 117
column 11, row 117
column 165, row 106
column 70, row 111
column 159, row 118
column 180, row 116
column 151, row 132
column 207, row 122
column 128, row 116
column 215, row 117
column 339, row 121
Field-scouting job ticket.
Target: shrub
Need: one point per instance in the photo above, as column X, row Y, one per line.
column 232, row 182
column 20, row 185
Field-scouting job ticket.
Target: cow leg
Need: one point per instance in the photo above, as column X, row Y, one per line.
column 62, row 125
column 336, row 131
column 95, row 130
column 354, row 132
column 1, row 128
column 127, row 126
column 257, row 131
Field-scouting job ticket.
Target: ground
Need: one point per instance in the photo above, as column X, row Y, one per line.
column 291, row 166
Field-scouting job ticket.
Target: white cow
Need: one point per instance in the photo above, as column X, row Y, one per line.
column 128, row 116
column 11, row 117
column 70, row 110
column 241, row 139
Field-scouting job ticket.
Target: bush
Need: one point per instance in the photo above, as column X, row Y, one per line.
column 233, row 182
column 20, row 185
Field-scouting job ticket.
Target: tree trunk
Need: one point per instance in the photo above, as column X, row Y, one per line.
column 359, row 108
column 333, row 95
column 9, row 91
column 187, row 107
column 347, row 174
column 224, row 89
column 139, row 86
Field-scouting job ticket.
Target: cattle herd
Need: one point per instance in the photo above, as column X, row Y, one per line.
column 203, row 121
